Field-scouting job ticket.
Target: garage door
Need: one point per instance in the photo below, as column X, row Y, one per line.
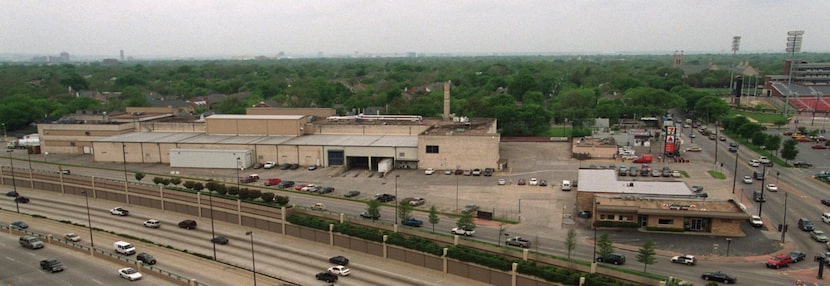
column 336, row 157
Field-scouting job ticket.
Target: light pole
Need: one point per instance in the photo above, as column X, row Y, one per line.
column 4, row 131
column 736, row 44
column 238, row 164
column 88, row 219
column 784, row 222
column 396, row 198
column 728, row 244
column 124, row 152
column 793, row 46
column 716, row 142
column 735, row 171
column 456, row 193
column 14, row 184
column 594, row 224
column 212, row 229
column 761, row 203
column 253, row 261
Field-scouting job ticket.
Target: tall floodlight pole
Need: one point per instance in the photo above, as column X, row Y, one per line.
column 14, row 184
column 784, row 223
column 396, row 198
column 88, row 219
column 736, row 45
column 735, row 171
column 761, row 203
column 793, row 46
column 253, row 261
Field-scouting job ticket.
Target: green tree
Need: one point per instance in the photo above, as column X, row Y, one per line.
column 176, row 181
column 198, row 186
column 139, row 176
column 647, row 254
column 189, row 184
column 281, row 200
column 759, row 139
column 788, row 151
column 404, row 210
column 780, row 122
column 373, row 208
column 267, row 197
column 604, row 246
column 465, row 221
column 158, row 180
column 773, row 143
column 570, row 242
column 433, row 217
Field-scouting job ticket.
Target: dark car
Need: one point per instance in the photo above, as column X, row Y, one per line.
column 146, row 258
column 802, row 164
column 52, row 265
column 351, row 194
column 584, row 214
column 20, row 225
column 543, row 183
column 805, row 224
column 326, row 276
column 825, row 202
column 385, row 198
column 697, row 188
column 294, row 166
column 339, row 260
column 21, row 199
column 326, row 190
column 719, row 276
column 613, row 258
column 285, row 184
column 797, row 256
column 285, row 166
column 413, row 222
column 488, row 172
column 188, row 224
column 220, row 240
column 12, row 194
column 369, row 216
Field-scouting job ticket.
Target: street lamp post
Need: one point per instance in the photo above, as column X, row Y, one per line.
column 594, row 224
column 124, row 152
column 212, row 229
column 793, row 46
column 396, row 198
column 716, row 142
column 456, row 193
column 728, row 244
column 88, row 219
column 784, row 222
column 238, row 166
column 761, row 203
column 14, row 184
column 735, row 171
column 253, row 261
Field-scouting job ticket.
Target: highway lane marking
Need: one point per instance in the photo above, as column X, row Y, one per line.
column 96, row 281
column 9, row 258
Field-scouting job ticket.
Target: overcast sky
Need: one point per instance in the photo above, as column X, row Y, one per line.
column 172, row 28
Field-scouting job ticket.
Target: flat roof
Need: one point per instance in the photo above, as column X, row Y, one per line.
column 678, row 206
column 306, row 140
column 355, row 140
column 605, row 181
column 258, row 117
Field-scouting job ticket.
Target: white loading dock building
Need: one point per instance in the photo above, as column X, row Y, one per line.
column 211, row 158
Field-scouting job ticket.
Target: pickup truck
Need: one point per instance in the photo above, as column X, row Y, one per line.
column 249, row 179
column 412, row 222
column 518, row 241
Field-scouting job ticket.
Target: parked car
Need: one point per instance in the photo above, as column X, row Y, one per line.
column 12, row 194
column 285, row 166
column 666, row 172
column 339, row 260
column 470, row 208
column 533, row 182
column 633, row 171
column 417, row 202
column 488, row 172
column 719, row 276
column 318, row 207
column 694, row 149
column 521, row 182
column 543, row 183
column 429, row 171
column 797, row 256
column 312, row 167
column 584, row 214
column 119, row 211
column 258, row 166
column 825, row 202
column 502, row 181
column 129, row 274
column 468, row 172
column 802, row 164
column 384, row 198
column 476, row 172
column 684, row 259
column 273, row 182
column 622, row 171
column 756, row 221
column 656, row 173
column 697, row 188
column 805, row 224
column 269, row 165
column 294, row 166
column 351, row 194
column 676, row 174
column 72, row 237
column 448, row 172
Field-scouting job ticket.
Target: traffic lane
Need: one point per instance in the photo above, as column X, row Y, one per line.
column 21, row 266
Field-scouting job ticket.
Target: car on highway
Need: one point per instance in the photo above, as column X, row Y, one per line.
column 72, row 237
column 429, row 171
column 747, row 180
column 694, row 149
column 339, row 260
column 719, row 276
column 613, row 258
column 351, row 194
column 764, row 160
column 326, row 276
column 220, row 240
column 754, row 163
column 756, row 221
column 772, row 188
column 129, row 274
column 19, row 225
column 51, row 265
column 684, row 259
column 461, row 231
column 152, row 223
column 12, row 194
column 340, row 270
column 187, row 224
column 22, row 200
column 818, row 235
column 146, row 258
column 119, row 211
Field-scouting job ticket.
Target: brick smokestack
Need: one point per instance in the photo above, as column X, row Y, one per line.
column 447, row 100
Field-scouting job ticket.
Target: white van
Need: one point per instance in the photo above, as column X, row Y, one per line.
column 124, row 248
column 566, row 185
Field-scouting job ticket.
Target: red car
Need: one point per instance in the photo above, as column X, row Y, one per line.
column 300, row 187
column 803, row 139
column 273, row 182
column 819, row 146
column 522, row 182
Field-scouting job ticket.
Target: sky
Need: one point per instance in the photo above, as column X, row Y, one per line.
column 205, row 28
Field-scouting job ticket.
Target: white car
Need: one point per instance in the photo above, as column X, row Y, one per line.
column 825, row 218
column 756, row 221
column 460, row 231
column 675, row 174
column 152, row 223
column 72, row 237
column 269, row 165
column 754, row 163
column 772, row 188
column 763, row 160
column 119, row 211
column 129, row 274
column 340, row 270
column 502, row 182
column 429, row 171
column 533, row 182
column 747, row 180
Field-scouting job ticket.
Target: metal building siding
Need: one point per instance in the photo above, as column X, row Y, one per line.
column 210, row 158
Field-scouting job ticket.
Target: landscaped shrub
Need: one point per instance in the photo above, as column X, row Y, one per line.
column 267, row 197
column 233, row 191
column 281, row 200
